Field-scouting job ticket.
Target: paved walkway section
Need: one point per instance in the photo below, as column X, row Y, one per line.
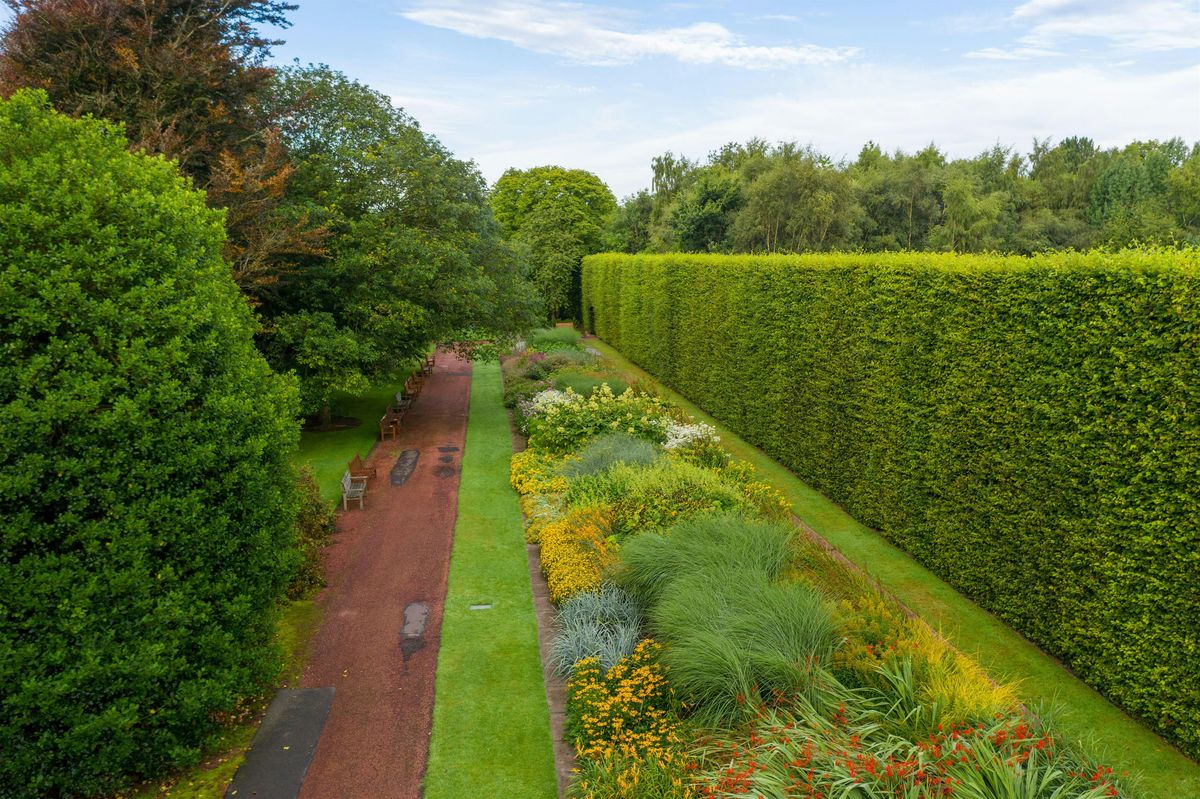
column 386, row 570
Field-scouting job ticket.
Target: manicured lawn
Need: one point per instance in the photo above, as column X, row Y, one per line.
column 329, row 453
column 1084, row 713
column 491, row 723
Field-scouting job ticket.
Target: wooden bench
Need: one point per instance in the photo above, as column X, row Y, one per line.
column 401, row 403
column 352, row 489
column 359, row 470
column 430, row 362
column 412, row 386
column 389, row 425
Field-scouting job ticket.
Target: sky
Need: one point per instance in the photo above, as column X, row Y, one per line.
column 606, row 86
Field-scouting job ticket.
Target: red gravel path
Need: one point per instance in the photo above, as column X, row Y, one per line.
column 395, row 552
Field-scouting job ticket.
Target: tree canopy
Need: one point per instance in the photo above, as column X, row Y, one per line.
column 559, row 215
column 763, row 198
column 183, row 77
column 413, row 252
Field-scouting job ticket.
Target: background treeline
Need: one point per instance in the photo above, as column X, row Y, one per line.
column 1025, row 427
column 784, row 198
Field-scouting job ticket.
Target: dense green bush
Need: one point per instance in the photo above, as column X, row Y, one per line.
column 658, row 495
column 552, row 338
column 584, row 383
column 147, row 505
column 1026, row 427
column 315, row 524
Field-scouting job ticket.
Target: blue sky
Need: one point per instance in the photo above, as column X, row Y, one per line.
column 607, row 85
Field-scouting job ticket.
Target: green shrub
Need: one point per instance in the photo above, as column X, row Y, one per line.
column 584, row 384
column 315, row 524
column 568, row 426
column 658, row 495
column 707, row 544
column 552, row 338
column 147, row 504
column 1022, row 426
column 603, row 452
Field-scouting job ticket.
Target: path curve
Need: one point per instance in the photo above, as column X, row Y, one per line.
column 393, row 554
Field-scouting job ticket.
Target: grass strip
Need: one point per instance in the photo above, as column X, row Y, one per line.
column 329, row 453
column 1083, row 714
column 491, row 723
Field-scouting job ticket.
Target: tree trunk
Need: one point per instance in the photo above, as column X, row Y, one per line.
column 325, row 417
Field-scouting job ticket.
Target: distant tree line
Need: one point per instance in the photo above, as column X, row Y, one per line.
column 782, row 198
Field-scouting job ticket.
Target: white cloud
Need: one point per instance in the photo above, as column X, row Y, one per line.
column 961, row 111
column 585, row 35
column 1011, row 54
column 1153, row 25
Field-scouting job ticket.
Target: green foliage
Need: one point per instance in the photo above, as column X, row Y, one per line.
column 733, row 640
column 708, row 543
column 558, row 214
column 603, row 452
column 1018, row 425
column 146, row 497
column 584, row 383
column 315, row 524
column 763, row 198
column 547, row 339
column 414, row 254
column 565, row 427
column 658, row 495
column 621, row 776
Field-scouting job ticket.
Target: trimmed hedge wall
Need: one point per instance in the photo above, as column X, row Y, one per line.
column 1028, row 428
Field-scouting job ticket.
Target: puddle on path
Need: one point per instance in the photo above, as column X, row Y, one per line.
column 405, row 465
column 412, row 640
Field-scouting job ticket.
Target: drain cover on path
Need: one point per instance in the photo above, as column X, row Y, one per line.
column 283, row 747
column 405, row 464
column 447, row 449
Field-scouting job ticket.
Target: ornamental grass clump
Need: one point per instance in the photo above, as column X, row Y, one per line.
column 604, row 624
column 710, row 544
column 584, row 382
column 553, row 338
column 603, row 452
column 732, row 641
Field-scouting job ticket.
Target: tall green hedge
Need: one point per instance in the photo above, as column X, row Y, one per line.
column 1029, row 428
column 146, row 498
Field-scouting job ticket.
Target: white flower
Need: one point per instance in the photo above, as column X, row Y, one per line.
column 686, row 435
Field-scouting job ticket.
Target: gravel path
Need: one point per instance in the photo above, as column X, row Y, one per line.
column 387, row 569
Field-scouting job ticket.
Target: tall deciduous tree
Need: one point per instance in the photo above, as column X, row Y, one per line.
column 183, row 77
column 414, row 252
column 559, row 214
